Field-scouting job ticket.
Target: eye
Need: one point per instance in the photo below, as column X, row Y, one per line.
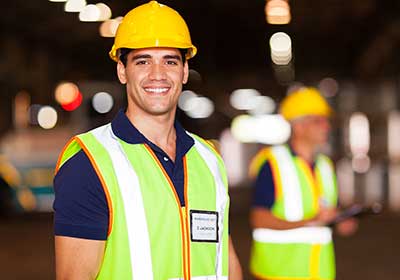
column 172, row 62
column 141, row 62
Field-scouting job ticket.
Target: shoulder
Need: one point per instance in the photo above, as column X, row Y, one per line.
column 324, row 159
column 261, row 159
column 80, row 206
column 78, row 166
column 210, row 145
column 81, row 142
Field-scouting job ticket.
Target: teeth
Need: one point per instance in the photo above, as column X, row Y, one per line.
column 157, row 90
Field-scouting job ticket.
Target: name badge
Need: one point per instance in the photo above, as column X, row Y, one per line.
column 204, row 226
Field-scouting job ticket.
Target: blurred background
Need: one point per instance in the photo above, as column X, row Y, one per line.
column 56, row 80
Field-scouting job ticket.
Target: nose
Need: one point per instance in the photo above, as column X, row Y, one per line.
column 157, row 72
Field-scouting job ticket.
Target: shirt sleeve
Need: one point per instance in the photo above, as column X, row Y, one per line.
column 80, row 205
column 264, row 189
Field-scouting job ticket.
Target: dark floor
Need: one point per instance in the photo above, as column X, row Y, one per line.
column 26, row 244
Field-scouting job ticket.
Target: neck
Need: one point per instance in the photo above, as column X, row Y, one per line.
column 304, row 149
column 159, row 130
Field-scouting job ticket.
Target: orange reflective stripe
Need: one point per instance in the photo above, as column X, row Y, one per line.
column 184, row 249
column 276, row 177
column 311, row 181
column 259, row 159
column 103, row 184
column 61, row 155
column 185, row 175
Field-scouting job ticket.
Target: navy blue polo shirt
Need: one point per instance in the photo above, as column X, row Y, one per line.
column 264, row 187
column 80, row 206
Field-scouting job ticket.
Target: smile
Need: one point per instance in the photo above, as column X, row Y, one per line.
column 156, row 90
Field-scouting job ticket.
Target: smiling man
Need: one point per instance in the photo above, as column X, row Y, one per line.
column 141, row 198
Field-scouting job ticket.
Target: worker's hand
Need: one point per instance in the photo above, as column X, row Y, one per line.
column 324, row 217
column 347, row 227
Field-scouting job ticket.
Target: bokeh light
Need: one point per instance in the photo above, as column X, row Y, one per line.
column 74, row 6
column 277, row 12
column 328, row 87
column 281, row 48
column 361, row 163
column 244, row 99
column 33, row 112
column 263, row 105
column 184, row 98
column 200, row 107
column 109, row 27
column 74, row 104
column 393, row 143
column 102, row 102
column 66, row 92
column 47, row 117
column 105, row 11
column 359, row 134
column 90, row 13
column 266, row 129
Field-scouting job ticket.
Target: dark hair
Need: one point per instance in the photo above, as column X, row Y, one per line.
column 123, row 55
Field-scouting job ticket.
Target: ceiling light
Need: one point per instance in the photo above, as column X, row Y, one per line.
column 109, row 27
column 277, row 12
column 102, row 102
column 75, row 6
column 105, row 11
column 90, row 13
column 47, row 117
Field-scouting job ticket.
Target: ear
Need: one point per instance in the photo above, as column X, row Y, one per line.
column 121, row 72
column 185, row 72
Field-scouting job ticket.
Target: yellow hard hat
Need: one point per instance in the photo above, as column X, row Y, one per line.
column 306, row 101
column 152, row 25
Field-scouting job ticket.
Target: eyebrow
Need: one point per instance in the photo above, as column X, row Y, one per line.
column 143, row 56
column 177, row 57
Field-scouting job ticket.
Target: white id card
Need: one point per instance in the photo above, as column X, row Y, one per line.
column 204, row 226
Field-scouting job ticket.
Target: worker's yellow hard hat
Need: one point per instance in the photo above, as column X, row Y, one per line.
column 152, row 25
column 305, row 101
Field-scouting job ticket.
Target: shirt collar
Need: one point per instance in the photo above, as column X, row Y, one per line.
column 127, row 132
column 293, row 152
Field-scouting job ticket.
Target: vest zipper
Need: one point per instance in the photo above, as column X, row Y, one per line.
column 182, row 214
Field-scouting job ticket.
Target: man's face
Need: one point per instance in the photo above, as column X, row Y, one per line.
column 313, row 129
column 153, row 78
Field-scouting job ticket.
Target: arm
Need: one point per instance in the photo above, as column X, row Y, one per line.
column 263, row 218
column 264, row 199
column 78, row 258
column 235, row 270
column 81, row 218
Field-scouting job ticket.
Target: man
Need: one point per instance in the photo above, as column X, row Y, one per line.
column 295, row 197
column 140, row 198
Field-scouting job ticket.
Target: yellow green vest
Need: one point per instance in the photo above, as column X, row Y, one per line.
column 303, row 253
column 150, row 234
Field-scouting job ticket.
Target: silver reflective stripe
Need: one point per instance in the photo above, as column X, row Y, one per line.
column 212, row 277
column 327, row 177
column 291, row 188
column 136, row 223
column 221, row 199
column 309, row 235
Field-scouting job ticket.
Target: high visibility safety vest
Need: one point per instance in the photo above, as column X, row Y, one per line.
column 302, row 253
column 150, row 235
